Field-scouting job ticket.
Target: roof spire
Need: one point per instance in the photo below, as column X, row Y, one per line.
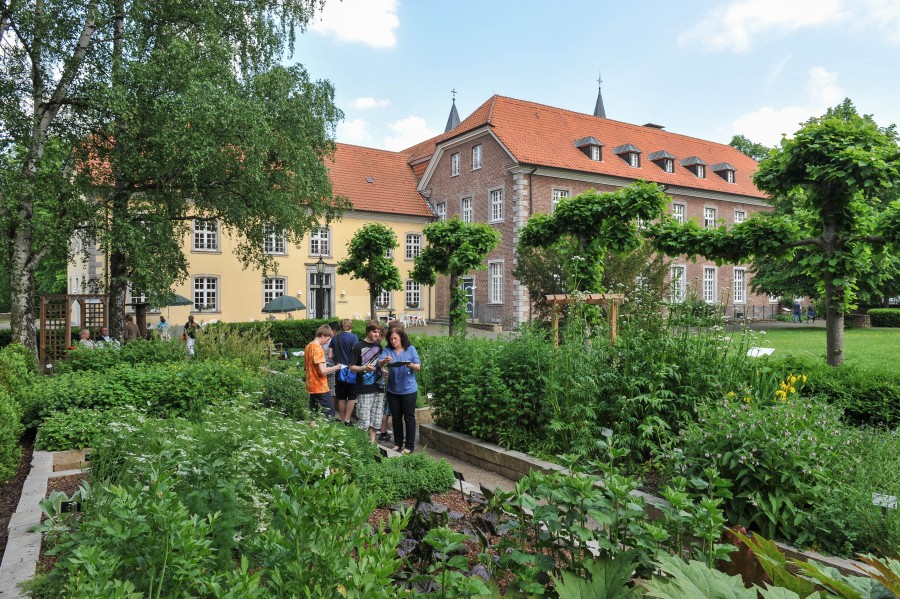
column 599, row 110
column 453, row 119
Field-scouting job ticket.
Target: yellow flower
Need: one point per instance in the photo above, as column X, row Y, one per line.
column 793, row 390
column 747, row 399
column 731, row 394
column 803, row 378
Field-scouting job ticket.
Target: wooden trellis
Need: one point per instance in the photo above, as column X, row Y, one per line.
column 56, row 323
column 609, row 300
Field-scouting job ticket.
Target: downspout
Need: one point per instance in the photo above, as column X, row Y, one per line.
column 530, row 212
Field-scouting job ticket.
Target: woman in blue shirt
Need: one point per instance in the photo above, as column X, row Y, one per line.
column 402, row 389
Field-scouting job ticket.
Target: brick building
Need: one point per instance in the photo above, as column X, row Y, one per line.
column 510, row 159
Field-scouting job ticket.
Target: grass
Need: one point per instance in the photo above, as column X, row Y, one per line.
column 873, row 349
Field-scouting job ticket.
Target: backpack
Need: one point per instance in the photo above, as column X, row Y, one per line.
column 345, row 376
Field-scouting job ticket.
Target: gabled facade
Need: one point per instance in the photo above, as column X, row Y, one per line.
column 534, row 156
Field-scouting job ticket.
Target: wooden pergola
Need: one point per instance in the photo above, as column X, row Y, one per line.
column 608, row 300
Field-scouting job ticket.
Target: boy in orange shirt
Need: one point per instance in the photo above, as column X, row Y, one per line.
column 317, row 373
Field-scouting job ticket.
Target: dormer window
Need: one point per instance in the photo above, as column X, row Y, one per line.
column 592, row 148
column 629, row 154
column 696, row 166
column 724, row 170
column 663, row 160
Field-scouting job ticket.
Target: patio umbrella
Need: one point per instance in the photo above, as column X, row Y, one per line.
column 179, row 300
column 284, row 303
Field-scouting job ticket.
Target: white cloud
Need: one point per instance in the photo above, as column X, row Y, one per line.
column 370, row 22
column 732, row 27
column 767, row 124
column 407, row 132
column 884, row 14
column 354, row 131
column 369, row 102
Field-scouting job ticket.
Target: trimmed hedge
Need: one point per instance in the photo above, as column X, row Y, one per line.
column 293, row 333
column 16, row 374
column 885, row 317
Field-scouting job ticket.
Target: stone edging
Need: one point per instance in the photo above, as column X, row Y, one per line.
column 515, row 464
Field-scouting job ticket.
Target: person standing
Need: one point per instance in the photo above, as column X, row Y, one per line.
column 797, row 316
column 131, row 330
column 402, row 389
column 367, row 366
column 162, row 329
column 811, row 314
column 190, row 334
column 341, row 350
column 317, row 372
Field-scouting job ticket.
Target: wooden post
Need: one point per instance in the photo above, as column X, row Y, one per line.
column 141, row 313
column 555, row 313
column 613, row 320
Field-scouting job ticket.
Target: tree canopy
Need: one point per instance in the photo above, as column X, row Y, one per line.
column 756, row 151
column 452, row 249
column 367, row 259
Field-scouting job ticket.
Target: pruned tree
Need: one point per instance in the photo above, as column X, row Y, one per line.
column 368, row 260
column 754, row 150
column 828, row 186
column 452, row 249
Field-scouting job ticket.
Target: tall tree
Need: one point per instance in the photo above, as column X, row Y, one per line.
column 827, row 185
column 756, row 151
column 452, row 249
column 167, row 111
column 368, row 260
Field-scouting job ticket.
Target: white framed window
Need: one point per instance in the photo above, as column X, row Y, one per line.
column 740, row 286
column 701, row 171
column 273, row 243
column 413, row 245
column 206, row 236
column 709, row 218
column 413, row 295
column 320, row 242
column 441, row 209
column 595, row 153
column 774, row 299
column 454, row 164
column 273, row 287
column 729, row 176
column 709, row 284
column 739, row 215
column 557, row 196
column 634, row 160
column 669, row 165
column 678, row 212
column 384, row 299
column 466, row 210
column 476, row 157
column 678, row 274
column 206, row 294
column 495, row 282
column 389, row 253
column 496, row 205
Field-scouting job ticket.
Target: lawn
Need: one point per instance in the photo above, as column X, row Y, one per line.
column 876, row 349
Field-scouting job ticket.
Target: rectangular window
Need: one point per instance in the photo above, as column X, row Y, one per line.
column 595, row 153
column 454, row 164
column 678, row 212
column 709, row 284
column 634, row 160
column 413, row 245
column 476, row 157
column 557, row 197
column 739, row 216
column 729, row 176
column 497, row 205
column 413, row 295
column 272, row 288
column 679, row 283
column 383, row 299
column 495, row 275
column 465, row 208
column 701, row 171
column 441, row 210
column 709, row 218
column 740, row 285
column 206, row 294
column 206, row 236
column 389, row 253
column 669, row 165
column 320, row 243
column 273, row 243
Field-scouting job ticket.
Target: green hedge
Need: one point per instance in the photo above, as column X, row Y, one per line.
column 294, row 333
column 17, row 372
column 885, row 317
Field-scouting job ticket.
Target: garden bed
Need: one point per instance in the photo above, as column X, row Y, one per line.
column 11, row 491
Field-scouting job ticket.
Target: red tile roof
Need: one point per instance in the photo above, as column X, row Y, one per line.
column 543, row 136
column 393, row 186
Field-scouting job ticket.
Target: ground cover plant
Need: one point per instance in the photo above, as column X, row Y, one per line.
column 17, row 371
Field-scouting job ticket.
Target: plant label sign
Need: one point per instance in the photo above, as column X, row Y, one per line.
column 606, row 432
column 884, row 501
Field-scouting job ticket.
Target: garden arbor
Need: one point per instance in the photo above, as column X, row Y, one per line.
column 56, row 322
column 609, row 300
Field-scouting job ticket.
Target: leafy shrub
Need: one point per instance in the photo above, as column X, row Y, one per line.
column 885, row 317
column 181, row 388
column 18, row 369
column 10, row 430
column 287, row 394
column 398, row 478
column 778, row 455
column 226, row 341
column 135, row 353
column 75, row 428
column 290, row 333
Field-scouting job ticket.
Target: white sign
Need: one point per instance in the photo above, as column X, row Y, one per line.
column 757, row 352
column 885, row 501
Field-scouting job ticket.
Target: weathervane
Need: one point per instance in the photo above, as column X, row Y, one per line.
column 453, row 91
column 599, row 79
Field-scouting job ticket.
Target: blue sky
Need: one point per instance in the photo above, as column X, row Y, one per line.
column 710, row 69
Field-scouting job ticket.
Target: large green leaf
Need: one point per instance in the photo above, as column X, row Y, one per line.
column 608, row 580
column 694, row 580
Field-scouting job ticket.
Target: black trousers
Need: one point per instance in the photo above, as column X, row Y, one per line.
column 403, row 411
